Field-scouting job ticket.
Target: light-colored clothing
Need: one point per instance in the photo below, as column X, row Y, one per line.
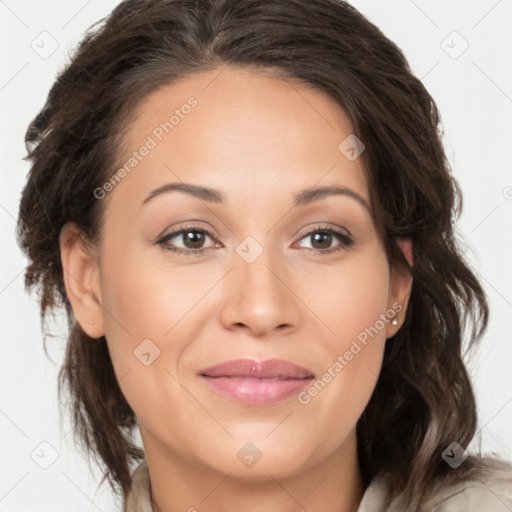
column 492, row 495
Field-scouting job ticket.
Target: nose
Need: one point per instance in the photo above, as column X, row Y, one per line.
column 258, row 297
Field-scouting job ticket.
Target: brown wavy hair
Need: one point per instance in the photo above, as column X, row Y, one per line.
column 423, row 399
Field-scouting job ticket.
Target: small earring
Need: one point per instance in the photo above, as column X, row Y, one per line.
column 91, row 322
column 394, row 321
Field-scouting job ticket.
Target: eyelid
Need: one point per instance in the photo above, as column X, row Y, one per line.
column 191, row 224
column 326, row 227
column 161, row 239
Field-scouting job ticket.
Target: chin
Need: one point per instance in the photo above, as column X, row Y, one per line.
column 260, row 459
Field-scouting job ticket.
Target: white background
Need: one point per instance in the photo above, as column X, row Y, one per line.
column 474, row 95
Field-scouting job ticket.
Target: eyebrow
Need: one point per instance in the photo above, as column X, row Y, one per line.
column 211, row 195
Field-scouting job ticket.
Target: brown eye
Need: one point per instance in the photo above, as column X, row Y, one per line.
column 323, row 238
column 191, row 238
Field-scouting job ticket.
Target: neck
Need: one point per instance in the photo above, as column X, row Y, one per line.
column 332, row 485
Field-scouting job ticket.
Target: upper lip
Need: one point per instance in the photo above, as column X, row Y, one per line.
column 271, row 368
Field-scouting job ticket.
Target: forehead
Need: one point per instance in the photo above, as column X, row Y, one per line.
column 235, row 129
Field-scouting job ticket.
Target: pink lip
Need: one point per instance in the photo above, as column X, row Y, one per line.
column 253, row 382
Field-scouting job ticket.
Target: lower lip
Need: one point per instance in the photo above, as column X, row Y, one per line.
column 251, row 390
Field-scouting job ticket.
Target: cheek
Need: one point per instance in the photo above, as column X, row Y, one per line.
column 147, row 295
column 138, row 306
column 150, row 322
column 151, row 307
column 350, row 298
column 353, row 305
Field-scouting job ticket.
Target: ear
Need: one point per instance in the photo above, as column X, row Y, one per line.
column 81, row 280
column 400, row 288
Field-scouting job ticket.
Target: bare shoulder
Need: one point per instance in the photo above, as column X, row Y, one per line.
column 490, row 490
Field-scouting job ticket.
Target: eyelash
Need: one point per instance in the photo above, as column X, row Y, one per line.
column 346, row 240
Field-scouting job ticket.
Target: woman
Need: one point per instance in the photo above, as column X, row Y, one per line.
column 246, row 209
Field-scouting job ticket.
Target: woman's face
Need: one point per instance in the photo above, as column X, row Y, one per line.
column 259, row 276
